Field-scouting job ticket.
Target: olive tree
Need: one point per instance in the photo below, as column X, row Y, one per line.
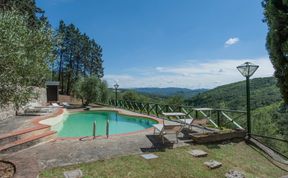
column 25, row 54
column 91, row 90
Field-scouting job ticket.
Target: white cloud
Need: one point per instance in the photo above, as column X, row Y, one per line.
column 231, row 41
column 190, row 74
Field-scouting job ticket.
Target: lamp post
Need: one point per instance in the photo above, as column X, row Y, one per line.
column 247, row 70
column 116, row 86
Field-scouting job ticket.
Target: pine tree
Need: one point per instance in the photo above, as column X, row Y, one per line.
column 77, row 56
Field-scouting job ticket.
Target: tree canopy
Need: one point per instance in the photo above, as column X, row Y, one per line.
column 26, row 8
column 91, row 90
column 77, row 55
column 276, row 16
column 24, row 57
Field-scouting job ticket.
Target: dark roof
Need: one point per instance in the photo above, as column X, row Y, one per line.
column 52, row 83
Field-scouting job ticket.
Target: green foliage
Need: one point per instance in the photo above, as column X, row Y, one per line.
column 276, row 16
column 77, row 55
column 281, row 117
column 169, row 91
column 26, row 8
column 105, row 93
column 269, row 121
column 24, row 57
column 263, row 122
column 131, row 95
column 91, row 90
column 233, row 96
column 175, row 100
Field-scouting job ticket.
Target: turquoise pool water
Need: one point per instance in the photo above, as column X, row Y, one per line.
column 81, row 124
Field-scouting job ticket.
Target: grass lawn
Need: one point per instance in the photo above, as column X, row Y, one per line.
column 178, row 163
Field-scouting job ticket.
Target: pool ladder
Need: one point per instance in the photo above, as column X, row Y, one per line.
column 107, row 129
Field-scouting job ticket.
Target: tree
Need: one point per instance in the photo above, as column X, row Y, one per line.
column 104, row 92
column 130, row 95
column 276, row 16
column 90, row 90
column 26, row 8
column 77, row 55
column 176, row 100
column 25, row 54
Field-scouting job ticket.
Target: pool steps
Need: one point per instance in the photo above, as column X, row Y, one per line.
column 22, row 139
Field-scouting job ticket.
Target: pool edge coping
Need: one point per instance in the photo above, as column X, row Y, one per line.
column 119, row 111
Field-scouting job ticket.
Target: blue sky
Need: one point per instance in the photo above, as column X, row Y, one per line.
column 161, row 43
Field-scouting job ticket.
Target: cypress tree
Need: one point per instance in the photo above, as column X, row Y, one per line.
column 276, row 17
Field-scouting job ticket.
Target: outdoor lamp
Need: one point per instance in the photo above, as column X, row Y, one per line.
column 116, row 86
column 247, row 70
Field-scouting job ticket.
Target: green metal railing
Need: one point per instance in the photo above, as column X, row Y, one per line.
column 218, row 118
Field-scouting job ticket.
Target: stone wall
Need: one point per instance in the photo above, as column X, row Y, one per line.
column 8, row 112
column 42, row 97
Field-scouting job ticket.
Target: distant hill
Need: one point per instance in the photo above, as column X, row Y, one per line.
column 170, row 91
column 233, row 96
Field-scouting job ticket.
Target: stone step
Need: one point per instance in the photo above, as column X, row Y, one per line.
column 22, row 134
column 27, row 142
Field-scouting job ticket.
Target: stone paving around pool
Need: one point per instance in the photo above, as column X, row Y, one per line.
column 31, row 161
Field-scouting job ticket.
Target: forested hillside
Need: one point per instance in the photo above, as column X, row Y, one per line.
column 233, row 96
column 170, row 91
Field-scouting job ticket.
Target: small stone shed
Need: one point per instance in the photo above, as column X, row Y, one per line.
column 52, row 88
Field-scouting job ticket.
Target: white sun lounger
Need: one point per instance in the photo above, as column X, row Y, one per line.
column 56, row 105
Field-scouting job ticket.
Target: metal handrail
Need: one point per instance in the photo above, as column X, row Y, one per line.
column 272, row 138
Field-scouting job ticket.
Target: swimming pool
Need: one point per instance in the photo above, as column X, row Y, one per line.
column 81, row 124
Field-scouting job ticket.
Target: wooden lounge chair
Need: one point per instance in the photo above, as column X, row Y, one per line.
column 164, row 129
column 199, row 123
column 188, row 122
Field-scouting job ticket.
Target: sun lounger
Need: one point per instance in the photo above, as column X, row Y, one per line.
column 164, row 129
column 188, row 122
column 66, row 105
column 56, row 105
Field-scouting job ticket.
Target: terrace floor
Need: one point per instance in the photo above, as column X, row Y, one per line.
column 16, row 123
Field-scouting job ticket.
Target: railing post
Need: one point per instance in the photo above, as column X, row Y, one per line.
column 134, row 106
column 94, row 130
column 166, row 108
column 156, row 109
column 148, row 108
column 107, row 128
column 196, row 114
column 218, row 119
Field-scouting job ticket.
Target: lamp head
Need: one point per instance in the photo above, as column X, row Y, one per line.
column 247, row 69
column 116, row 85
